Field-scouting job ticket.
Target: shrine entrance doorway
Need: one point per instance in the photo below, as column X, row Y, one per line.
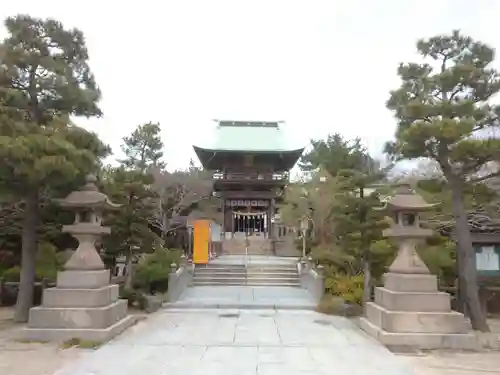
column 247, row 217
column 249, row 223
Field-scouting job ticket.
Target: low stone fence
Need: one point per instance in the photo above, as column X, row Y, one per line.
column 312, row 279
column 178, row 281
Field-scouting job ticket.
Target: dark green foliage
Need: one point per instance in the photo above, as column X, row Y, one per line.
column 130, row 223
column 439, row 255
column 134, row 297
column 44, row 79
column 143, row 148
column 336, row 154
column 44, row 71
column 47, row 264
column 153, row 270
column 356, row 224
column 444, row 112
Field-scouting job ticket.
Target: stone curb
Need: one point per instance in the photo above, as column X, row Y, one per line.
column 180, row 305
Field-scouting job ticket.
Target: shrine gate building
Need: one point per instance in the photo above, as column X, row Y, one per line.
column 250, row 162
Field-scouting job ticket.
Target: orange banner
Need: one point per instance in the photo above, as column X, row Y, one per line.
column 201, row 234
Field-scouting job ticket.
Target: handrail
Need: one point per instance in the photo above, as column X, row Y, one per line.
column 246, row 250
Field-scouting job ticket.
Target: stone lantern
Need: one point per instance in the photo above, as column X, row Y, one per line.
column 83, row 305
column 404, row 208
column 409, row 311
column 89, row 204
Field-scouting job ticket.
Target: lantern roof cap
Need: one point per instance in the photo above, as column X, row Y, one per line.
column 88, row 196
column 406, row 199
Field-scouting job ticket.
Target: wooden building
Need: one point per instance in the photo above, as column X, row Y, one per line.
column 250, row 162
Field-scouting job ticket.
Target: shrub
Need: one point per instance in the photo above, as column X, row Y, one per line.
column 48, row 262
column 350, row 288
column 12, row 274
column 135, row 298
column 47, row 265
column 151, row 273
column 334, row 305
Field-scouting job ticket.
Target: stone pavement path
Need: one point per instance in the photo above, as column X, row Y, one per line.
column 242, row 342
column 245, row 297
column 456, row 363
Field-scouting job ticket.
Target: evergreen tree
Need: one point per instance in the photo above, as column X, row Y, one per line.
column 444, row 113
column 131, row 232
column 143, row 148
column 359, row 224
column 336, row 154
column 44, row 78
column 352, row 210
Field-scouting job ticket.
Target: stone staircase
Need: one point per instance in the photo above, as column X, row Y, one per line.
column 250, row 275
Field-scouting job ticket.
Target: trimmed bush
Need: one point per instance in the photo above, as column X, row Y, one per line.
column 151, row 273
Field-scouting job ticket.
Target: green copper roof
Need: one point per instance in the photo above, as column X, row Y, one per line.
column 248, row 136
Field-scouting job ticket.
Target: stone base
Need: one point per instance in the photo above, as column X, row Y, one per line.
column 398, row 282
column 415, row 321
column 413, row 301
column 77, row 317
column 83, row 279
column 410, row 312
column 83, row 305
column 97, row 335
column 420, row 341
column 65, row 297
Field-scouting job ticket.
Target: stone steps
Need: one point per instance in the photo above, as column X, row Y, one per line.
column 252, row 275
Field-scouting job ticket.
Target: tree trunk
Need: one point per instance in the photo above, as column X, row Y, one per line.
column 367, row 292
column 164, row 226
column 28, row 258
column 129, row 276
column 466, row 257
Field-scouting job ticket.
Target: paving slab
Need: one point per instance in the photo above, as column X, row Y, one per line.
column 249, row 297
column 243, row 342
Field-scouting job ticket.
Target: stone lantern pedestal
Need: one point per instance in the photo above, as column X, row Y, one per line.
column 83, row 305
column 409, row 311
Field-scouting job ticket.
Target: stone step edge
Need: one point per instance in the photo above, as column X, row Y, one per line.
column 413, row 293
column 208, row 283
column 380, row 335
column 253, row 277
column 100, row 335
column 403, row 312
column 242, row 306
column 237, row 283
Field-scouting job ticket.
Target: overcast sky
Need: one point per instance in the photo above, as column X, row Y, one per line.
column 323, row 66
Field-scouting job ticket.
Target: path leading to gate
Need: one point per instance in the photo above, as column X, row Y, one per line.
column 243, row 342
column 247, row 297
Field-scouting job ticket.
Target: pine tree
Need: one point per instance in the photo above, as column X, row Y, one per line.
column 444, row 114
column 143, row 148
column 355, row 171
column 131, row 232
column 358, row 222
column 44, row 78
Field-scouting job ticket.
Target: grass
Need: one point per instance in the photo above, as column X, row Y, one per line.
column 82, row 344
column 334, row 305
